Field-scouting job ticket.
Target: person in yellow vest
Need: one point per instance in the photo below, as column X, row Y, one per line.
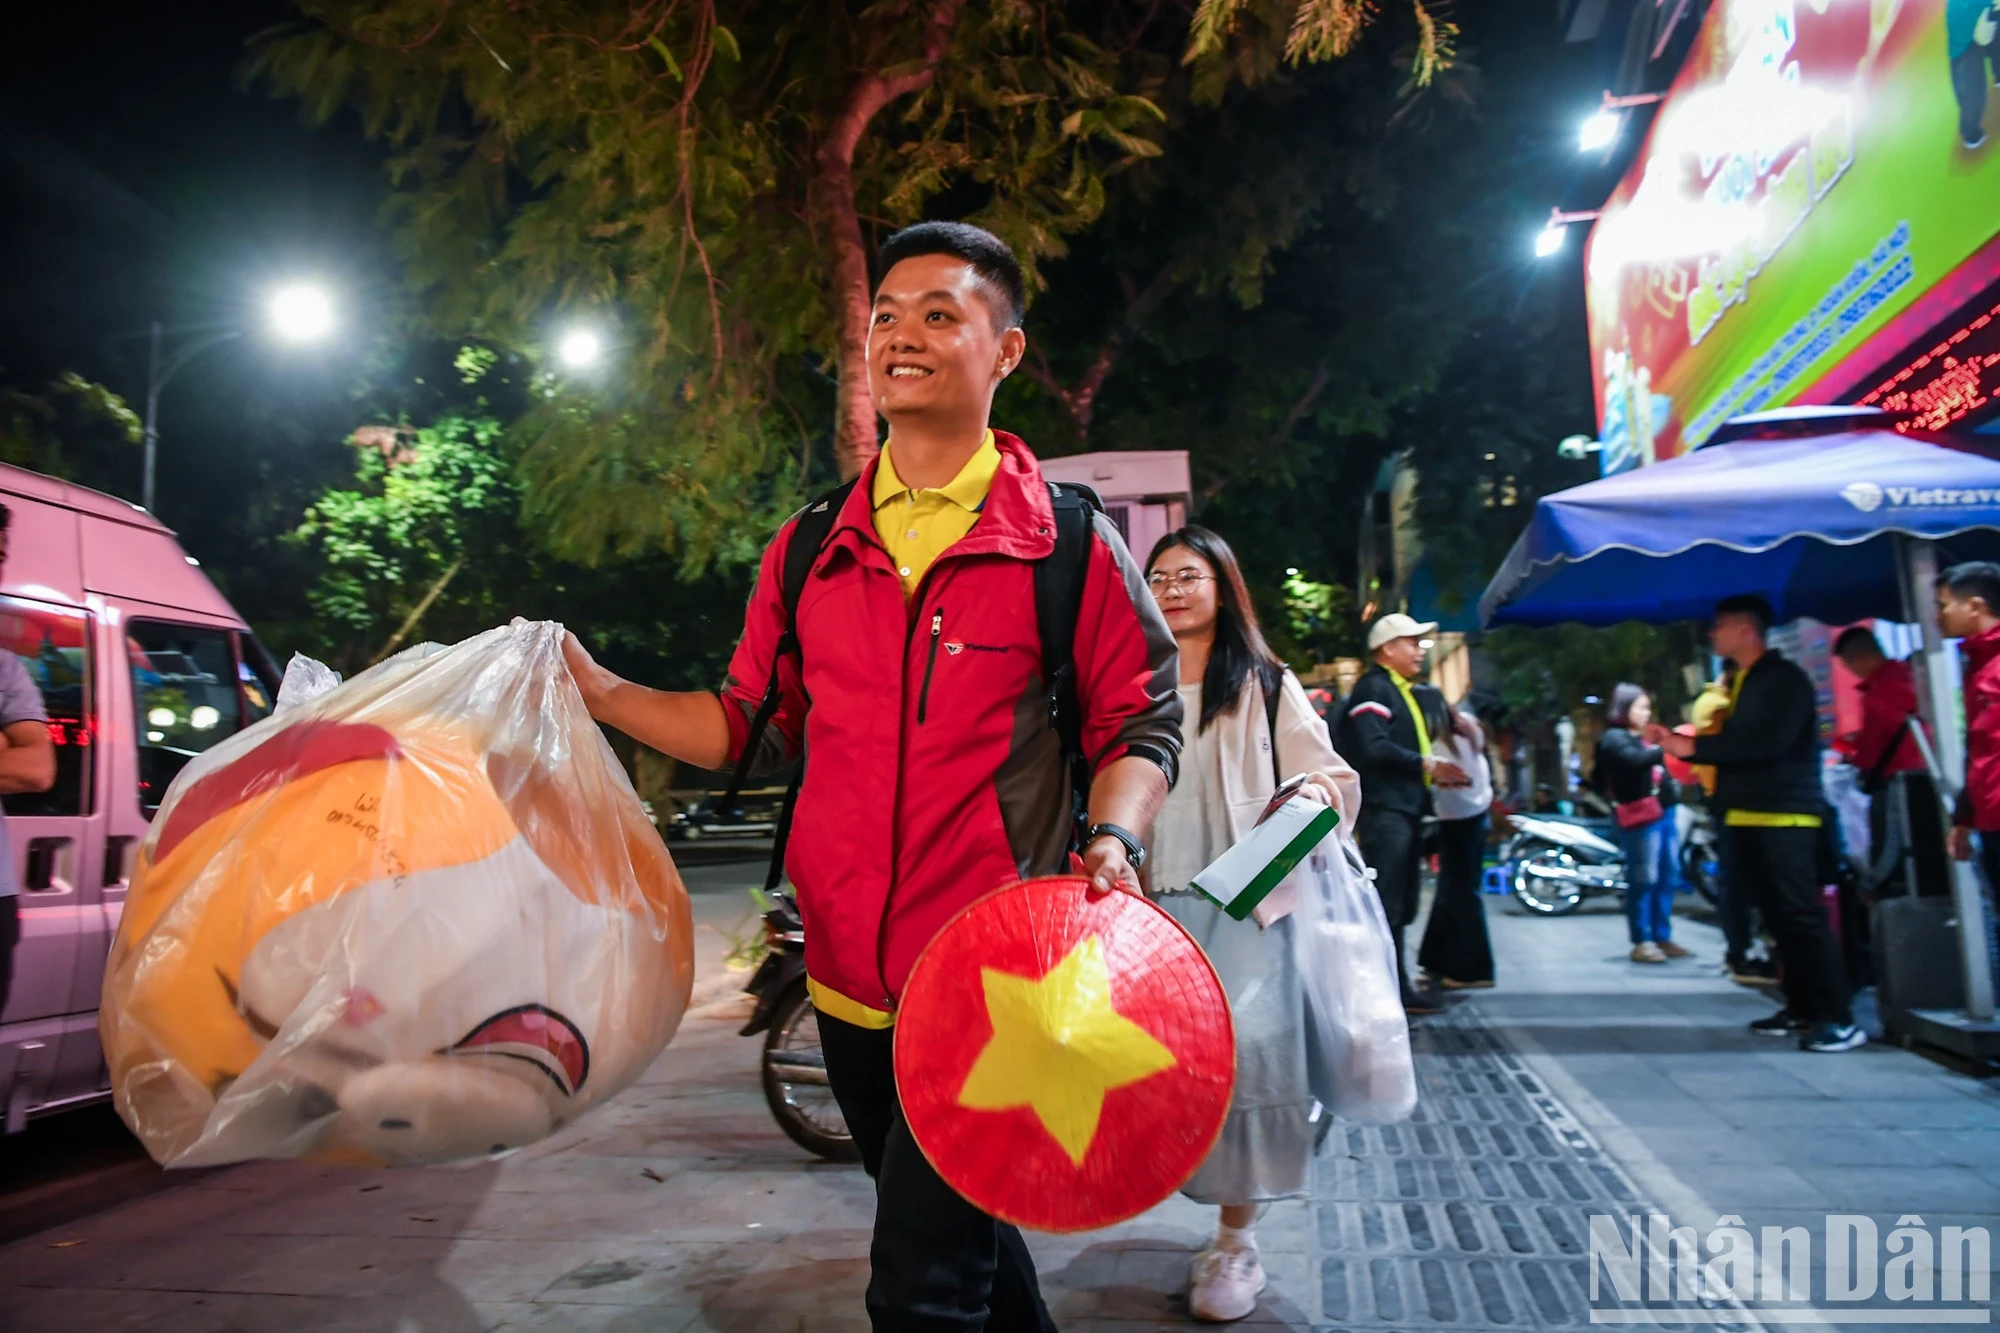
column 1767, row 789
column 1386, row 735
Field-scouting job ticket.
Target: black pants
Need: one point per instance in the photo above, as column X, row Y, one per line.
column 1733, row 897
column 1455, row 940
column 1777, row 866
column 1392, row 844
column 937, row 1262
column 1968, row 84
column 10, row 935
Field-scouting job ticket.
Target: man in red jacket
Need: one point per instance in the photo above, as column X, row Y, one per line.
column 1892, row 769
column 1967, row 598
column 934, row 775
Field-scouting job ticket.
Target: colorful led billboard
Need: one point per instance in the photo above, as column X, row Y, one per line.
column 1817, row 186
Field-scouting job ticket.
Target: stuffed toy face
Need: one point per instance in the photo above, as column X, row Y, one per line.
column 390, row 940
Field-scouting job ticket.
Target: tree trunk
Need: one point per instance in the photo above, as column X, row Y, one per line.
column 417, row 611
column 831, row 202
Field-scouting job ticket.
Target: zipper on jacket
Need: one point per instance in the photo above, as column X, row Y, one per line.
column 930, row 665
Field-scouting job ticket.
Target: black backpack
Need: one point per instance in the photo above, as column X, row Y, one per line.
column 1058, row 598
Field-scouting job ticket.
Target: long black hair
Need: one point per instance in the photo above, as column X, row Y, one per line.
column 1239, row 644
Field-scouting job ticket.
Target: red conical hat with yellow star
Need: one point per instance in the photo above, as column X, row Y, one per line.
column 1064, row 1061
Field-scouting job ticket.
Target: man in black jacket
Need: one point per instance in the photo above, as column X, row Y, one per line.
column 1767, row 784
column 1385, row 734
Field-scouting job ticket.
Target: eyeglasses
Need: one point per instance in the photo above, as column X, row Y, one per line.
column 1183, row 583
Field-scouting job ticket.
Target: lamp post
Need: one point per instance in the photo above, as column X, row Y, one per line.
column 1600, row 129
column 298, row 314
column 1550, row 239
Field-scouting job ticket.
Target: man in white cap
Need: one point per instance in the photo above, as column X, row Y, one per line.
column 1385, row 734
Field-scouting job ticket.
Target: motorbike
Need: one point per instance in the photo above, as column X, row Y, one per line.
column 1554, row 863
column 793, row 1065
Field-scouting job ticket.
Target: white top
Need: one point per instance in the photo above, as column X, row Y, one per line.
column 1192, row 828
column 1463, row 802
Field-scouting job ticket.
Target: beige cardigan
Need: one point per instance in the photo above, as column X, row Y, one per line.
column 1243, row 752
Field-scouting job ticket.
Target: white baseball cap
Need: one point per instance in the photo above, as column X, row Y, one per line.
column 1396, row 625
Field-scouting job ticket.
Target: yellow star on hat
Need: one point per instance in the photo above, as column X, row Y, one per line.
column 1059, row 1046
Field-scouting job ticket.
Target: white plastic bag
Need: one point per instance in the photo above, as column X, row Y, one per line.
column 1358, row 1040
column 415, row 917
column 305, row 680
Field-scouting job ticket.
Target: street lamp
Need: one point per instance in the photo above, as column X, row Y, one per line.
column 299, row 313
column 580, row 348
column 1600, row 130
column 1550, row 239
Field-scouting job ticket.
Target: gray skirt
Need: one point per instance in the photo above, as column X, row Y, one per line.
column 1267, row 1144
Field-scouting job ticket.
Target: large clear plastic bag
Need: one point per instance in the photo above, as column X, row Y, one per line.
column 416, row 917
column 1358, row 1060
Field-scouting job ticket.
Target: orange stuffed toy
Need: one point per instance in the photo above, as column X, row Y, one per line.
column 419, row 918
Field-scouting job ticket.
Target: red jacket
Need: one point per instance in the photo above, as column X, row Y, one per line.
column 1887, row 698
column 1979, row 804
column 933, row 775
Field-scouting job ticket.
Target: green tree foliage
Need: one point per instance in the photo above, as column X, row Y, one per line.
column 425, row 503
column 71, row 428
column 426, row 540
column 1542, row 674
column 702, row 175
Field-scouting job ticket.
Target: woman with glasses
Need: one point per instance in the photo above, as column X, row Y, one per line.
column 1247, row 724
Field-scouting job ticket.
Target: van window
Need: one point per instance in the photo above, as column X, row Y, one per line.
column 54, row 644
column 259, row 676
column 184, row 686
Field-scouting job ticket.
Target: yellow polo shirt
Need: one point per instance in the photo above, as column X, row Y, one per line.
column 916, row 526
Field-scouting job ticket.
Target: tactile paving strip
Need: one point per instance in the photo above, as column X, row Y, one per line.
column 1474, row 1213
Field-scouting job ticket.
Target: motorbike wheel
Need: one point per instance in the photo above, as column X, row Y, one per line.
column 1701, row 871
column 1553, row 891
column 795, row 1085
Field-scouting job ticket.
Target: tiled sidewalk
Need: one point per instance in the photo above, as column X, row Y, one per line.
column 680, row 1206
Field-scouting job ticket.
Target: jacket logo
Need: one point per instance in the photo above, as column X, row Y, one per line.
column 955, row 648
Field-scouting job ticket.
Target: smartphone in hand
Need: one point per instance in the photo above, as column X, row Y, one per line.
column 1285, row 792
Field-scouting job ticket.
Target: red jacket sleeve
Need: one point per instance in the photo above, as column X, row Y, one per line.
column 750, row 672
column 1127, row 666
column 1982, row 750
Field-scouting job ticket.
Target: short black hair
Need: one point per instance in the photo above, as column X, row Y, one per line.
column 1974, row 578
column 1856, row 637
column 1748, row 604
column 986, row 253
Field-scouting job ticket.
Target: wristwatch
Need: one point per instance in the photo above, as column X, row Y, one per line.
column 1135, row 851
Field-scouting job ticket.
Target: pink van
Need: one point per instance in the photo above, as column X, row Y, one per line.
column 142, row 665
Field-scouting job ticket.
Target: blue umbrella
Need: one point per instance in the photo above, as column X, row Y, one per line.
column 1805, row 506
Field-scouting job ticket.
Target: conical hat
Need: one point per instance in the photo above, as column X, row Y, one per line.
column 1065, row 1062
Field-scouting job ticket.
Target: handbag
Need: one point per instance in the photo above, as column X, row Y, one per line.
column 1631, row 814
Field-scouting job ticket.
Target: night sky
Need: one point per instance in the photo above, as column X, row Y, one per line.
column 139, row 182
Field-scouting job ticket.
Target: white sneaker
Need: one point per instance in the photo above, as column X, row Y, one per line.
column 1226, row 1284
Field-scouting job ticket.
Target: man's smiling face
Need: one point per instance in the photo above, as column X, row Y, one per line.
column 936, row 342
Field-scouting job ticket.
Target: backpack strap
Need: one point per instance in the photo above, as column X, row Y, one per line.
column 810, row 530
column 1272, row 694
column 1059, row 579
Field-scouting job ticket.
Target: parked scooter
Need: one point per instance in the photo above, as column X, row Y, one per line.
column 794, row 1068
column 1555, row 862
